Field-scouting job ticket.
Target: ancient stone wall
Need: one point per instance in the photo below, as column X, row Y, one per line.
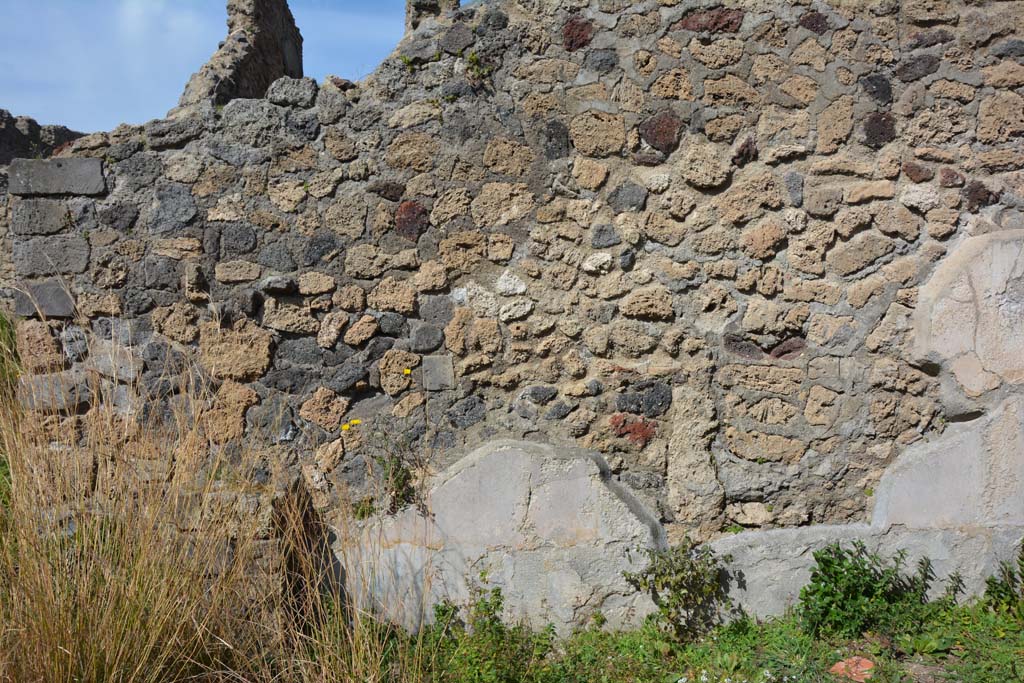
column 749, row 252
column 23, row 137
column 417, row 11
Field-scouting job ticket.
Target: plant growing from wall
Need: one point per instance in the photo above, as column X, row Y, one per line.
column 477, row 72
column 401, row 462
column 407, row 62
column 688, row 585
column 398, row 481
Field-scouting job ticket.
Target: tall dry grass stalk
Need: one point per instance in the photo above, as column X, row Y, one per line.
column 122, row 557
column 136, row 548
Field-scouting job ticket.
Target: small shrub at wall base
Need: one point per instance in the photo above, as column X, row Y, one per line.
column 1005, row 590
column 687, row 584
column 852, row 591
column 482, row 648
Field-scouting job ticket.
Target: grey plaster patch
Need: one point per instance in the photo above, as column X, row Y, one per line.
column 556, row 536
column 438, row 373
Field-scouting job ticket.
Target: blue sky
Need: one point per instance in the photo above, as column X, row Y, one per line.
column 91, row 64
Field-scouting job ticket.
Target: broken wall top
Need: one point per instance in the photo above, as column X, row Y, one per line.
column 263, row 44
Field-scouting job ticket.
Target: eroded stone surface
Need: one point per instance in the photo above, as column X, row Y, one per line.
column 973, row 306
column 263, row 44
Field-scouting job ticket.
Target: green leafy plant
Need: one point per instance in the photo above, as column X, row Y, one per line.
column 482, row 648
column 1005, row 590
column 596, row 656
column 688, row 585
column 923, row 643
column 364, row 508
column 398, row 481
column 399, row 461
column 476, row 70
column 853, row 590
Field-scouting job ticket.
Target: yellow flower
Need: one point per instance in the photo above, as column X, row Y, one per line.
column 345, row 427
column 356, row 422
column 407, row 371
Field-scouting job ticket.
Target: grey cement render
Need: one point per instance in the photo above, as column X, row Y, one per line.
column 556, row 536
column 558, row 533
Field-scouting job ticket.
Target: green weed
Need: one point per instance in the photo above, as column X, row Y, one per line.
column 852, row 591
column 1005, row 590
column 687, row 583
column 481, row 648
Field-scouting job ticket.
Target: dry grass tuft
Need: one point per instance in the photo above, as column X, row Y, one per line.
column 134, row 548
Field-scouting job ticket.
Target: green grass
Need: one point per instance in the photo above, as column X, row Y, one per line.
column 984, row 645
column 858, row 604
column 972, row 643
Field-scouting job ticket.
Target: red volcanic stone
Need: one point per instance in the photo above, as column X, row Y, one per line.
column 789, row 349
column 718, row 20
column 61, row 148
column 950, row 177
column 661, row 131
column 814, row 21
column 342, row 84
column 411, row 220
column 918, row 173
column 577, row 33
column 637, row 430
